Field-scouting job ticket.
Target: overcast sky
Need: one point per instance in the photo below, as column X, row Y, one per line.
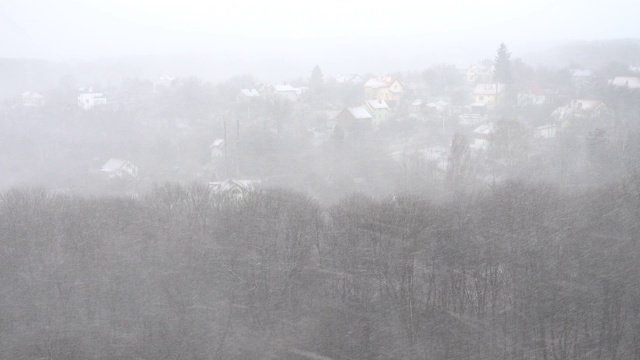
column 86, row 28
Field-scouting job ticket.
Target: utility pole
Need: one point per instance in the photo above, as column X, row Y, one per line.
column 237, row 145
column 226, row 161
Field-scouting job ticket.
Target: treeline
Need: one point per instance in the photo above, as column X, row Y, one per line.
column 520, row 271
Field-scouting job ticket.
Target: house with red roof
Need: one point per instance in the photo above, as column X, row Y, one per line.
column 533, row 94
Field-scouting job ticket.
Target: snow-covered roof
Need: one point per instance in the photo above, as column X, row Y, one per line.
column 250, row 92
column 535, row 89
column 377, row 104
column 348, row 78
column 216, row 143
column 630, row 82
column 359, row 112
column 416, row 102
column 587, row 104
column 485, row 129
column 375, row 83
column 225, row 186
column 488, row 89
column 546, row 126
column 31, row 95
column 285, row 88
column 90, row 95
column 113, row 165
column 581, row 73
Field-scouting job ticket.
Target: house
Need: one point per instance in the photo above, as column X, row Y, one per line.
column 349, row 79
column 217, row 148
column 250, row 93
column 481, row 72
column 547, row 131
column 626, row 81
column 437, row 106
column 379, row 111
column 90, row 99
column 371, row 88
column 415, row 107
column 383, row 88
column 489, row 94
column 482, row 136
column 233, row 189
column 287, row 93
column 583, row 111
column 248, row 96
column 118, row 168
column 533, row 94
column 353, row 121
column 580, row 77
column 31, row 99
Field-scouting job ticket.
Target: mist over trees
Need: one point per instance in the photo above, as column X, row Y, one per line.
column 519, row 271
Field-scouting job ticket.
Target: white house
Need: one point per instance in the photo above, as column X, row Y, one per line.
column 547, row 131
column 630, row 82
column 233, row 189
column 378, row 109
column 217, row 148
column 250, row 93
column 480, row 72
column 89, row 100
column 349, row 79
column 287, row 92
column 31, row 99
column 482, row 136
column 118, row 168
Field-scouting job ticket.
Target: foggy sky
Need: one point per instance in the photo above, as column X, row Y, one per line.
column 282, row 39
column 85, row 28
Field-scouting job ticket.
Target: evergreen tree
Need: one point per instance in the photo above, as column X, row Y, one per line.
column 502, row 71
column 316, row 81
column 316, row 84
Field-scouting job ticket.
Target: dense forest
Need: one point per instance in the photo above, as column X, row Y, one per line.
column 517, row 271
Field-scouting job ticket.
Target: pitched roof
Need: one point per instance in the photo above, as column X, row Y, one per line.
column 587, row 104
column 216, row 143
column 221, row 187
column 250, row 92
column 348, row 78
column 631, row 82
column 359, row 112
column 377, row 104
column 31, row 95
column 113, row 164
column 375, row 83
column 285, row 88
column 581, row 73
column 485, row 129
column 536, row 89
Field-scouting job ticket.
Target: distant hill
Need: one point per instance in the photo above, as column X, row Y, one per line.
column 588, row 54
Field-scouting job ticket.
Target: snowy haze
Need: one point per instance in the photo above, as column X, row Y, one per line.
column 191, row 180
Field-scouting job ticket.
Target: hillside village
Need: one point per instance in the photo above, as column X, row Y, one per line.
column 445, row 127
